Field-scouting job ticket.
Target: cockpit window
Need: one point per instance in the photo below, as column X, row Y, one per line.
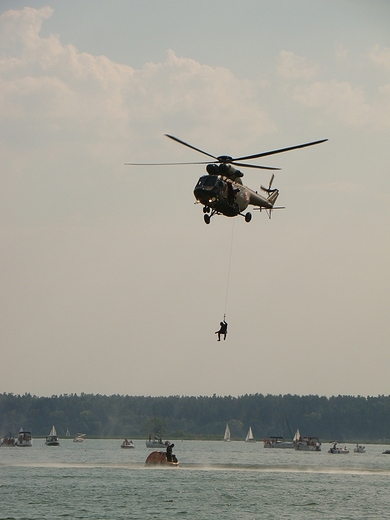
column 209, row 180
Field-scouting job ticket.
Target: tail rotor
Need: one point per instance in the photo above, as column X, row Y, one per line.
column 269, row 190
column 273, row 194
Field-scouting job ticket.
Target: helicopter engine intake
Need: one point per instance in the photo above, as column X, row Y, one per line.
column 227, row 170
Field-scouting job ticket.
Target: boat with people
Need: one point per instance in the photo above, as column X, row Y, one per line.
column 359, row 449
column 24, row 439
column 277, row 442
column 249, row 436
column 307, row 443
column 52, row 439
column 156, row 443
column 127, row 444
column 162, row 458
column 80, row 437
column 336, row 449
column 8, row 441
column 227, row 434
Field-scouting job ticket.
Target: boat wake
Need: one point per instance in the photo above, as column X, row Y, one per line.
column 259, row 468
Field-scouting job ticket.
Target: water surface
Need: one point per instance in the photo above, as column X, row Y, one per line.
column 97, row 479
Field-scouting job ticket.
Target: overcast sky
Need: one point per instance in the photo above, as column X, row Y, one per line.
column 111, row 282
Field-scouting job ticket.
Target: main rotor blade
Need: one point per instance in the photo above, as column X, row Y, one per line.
column 164, row 163
column 272, row 152
column 244, row 165
column 190, row 146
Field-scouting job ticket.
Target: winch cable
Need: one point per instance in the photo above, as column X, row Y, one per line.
column 229, row 266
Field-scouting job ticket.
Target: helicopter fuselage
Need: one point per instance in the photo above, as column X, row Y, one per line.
column 227, row 197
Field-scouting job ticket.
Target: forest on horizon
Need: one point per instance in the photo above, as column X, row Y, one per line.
column 342, row 418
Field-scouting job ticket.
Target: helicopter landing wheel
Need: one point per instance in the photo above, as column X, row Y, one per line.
column 207, row 218
column 248, row 217
column 206, row 209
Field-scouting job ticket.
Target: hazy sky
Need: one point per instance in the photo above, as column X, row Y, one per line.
column 111, row 282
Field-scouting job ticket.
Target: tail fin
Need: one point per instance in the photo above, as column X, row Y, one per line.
column 273, row 196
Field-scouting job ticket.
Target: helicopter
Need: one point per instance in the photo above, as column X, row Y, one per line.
column 221, row 191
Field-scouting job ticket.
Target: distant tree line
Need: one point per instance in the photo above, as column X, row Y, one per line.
column 342, row 418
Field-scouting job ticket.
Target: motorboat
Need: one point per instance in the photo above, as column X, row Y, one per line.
column 227, row 435
column 277, row 442
column 127, row 444
column 162, row 458
column 337, row 449
column 359, row 449
column 24, row 439
column 8, row 441
column 307, row 443
column 249, row 436
column 156, row 443
column 52, row 439
column 386, row 452
column 80, row 437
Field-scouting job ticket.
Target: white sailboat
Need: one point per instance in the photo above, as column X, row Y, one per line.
column 226, row 437
column 52, row 439
column 249, row 436
column 277, row 442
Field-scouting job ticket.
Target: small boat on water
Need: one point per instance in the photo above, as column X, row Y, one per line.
column 249, row 436
column 359, row 449
column 307, row 443
column 226, row 436
column 337, row 449
column 52, row 439
column 156, row 443
column 277, row 442
column 8, row 441
column 163, row 458
column 127, row 444
column 24, row 439
column 80, row 437
column 160, row 458
column 386, row 452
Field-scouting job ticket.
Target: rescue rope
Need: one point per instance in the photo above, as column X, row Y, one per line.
column 228, row 274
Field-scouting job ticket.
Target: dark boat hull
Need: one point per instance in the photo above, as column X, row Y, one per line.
column 160, row 458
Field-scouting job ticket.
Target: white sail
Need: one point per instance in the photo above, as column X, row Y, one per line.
column 249, row 436
column 297, row 436
column 53, row 432
column 226, row 437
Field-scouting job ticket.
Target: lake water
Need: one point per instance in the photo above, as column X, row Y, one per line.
column 97, row 479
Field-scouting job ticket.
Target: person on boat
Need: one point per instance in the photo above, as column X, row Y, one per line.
column 169, row 452
column 222, row 330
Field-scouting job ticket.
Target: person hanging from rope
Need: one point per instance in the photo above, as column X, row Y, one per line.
column 222, row 330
